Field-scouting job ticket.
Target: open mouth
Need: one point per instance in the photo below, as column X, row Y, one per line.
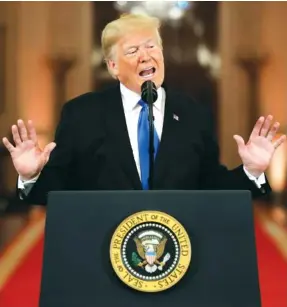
column 147, row 73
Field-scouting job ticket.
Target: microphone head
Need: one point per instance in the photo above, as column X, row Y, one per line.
column 149, row 92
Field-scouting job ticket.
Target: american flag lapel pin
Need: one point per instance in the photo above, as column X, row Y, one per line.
column 175, row 117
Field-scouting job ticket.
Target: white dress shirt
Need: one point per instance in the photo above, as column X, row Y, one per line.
column 132, row 110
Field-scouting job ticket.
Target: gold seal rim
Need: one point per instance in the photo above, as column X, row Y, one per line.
column 150, row 285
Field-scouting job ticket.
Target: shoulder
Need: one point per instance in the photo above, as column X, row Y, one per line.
column 89, row 101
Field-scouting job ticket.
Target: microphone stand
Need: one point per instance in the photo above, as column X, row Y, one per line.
column 151, row 138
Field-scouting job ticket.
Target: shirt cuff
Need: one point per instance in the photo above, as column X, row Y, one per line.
column 258, row 181
column 23, row 184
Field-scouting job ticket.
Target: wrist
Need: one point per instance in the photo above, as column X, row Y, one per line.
column 252, row 172
column 27, row 178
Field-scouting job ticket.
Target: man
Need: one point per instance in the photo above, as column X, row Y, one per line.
column 101, row 142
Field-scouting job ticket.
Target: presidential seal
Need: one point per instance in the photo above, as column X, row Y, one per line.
column 150, row 251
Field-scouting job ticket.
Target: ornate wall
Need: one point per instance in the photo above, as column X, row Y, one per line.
column 253, row 74
column 42, row 37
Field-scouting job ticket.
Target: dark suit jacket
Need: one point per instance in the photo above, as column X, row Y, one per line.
column 93, row 150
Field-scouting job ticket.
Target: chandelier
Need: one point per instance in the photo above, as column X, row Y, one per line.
column 164, row 10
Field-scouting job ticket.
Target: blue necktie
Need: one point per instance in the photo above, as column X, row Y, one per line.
column 143, row 144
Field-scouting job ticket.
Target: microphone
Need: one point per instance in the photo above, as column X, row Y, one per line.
column 149, row 92
column 149, row 96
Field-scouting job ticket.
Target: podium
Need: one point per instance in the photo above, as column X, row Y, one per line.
column 85, row 228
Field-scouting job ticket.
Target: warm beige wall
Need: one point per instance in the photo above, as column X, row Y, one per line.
column 239, row 35
column 252, row 28
column 37, row 31
column 8, row 17
column 34, row 87
column 74, row 19
column 274, row 76
column 57, row 28
column 274, row 79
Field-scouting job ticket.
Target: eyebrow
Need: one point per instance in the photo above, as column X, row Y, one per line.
column 131, row 47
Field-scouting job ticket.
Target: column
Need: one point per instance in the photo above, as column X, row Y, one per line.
column 239, row 37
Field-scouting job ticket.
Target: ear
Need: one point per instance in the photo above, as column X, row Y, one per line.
column 113, row 67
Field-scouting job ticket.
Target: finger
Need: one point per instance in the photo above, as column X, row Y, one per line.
column 22, row 130
column 16, row 136
column 280, row 141
column 266, row 126
column 32, row 132
column 239, row 140
column 273, row 131
column 48, row 149
column 8, row 145
column 256, row 130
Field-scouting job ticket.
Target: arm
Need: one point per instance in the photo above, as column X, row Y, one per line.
column 216, row 176
column 55, row 174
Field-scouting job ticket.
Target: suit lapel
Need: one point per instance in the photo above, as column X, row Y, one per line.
column 169, row 135
column 119, row 137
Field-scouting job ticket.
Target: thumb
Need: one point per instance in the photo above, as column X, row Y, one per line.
column 239, row 140
column 48, row 149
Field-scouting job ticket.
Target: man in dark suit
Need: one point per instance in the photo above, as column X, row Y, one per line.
column 101, row 142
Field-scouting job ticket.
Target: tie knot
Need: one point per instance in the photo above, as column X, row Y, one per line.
column 142, row 103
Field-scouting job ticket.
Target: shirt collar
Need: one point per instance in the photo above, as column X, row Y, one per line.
column 130, row 99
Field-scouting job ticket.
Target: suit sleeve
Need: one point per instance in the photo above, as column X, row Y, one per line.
column 214, row 175
column 55, row 174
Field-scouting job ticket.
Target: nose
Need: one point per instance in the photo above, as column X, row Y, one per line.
column 144, row 56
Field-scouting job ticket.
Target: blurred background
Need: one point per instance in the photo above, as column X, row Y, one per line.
column 229, row 55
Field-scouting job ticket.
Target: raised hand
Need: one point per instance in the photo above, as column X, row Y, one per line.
column 257, row 153
column 27, row 156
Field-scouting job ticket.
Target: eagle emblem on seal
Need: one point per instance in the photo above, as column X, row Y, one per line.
column 150, row 245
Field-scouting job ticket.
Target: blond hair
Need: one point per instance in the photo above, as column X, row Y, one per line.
column 127, row 23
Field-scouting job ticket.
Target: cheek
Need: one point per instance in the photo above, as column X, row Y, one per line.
column 129, row 65
column 158, row 57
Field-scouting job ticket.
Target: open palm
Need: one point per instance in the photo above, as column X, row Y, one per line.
column 257, row 153
column 27, row 156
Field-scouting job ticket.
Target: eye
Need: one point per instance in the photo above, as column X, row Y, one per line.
column 132, row 51
column 150, row 46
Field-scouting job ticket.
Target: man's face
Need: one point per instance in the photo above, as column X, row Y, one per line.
column 138, row 57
